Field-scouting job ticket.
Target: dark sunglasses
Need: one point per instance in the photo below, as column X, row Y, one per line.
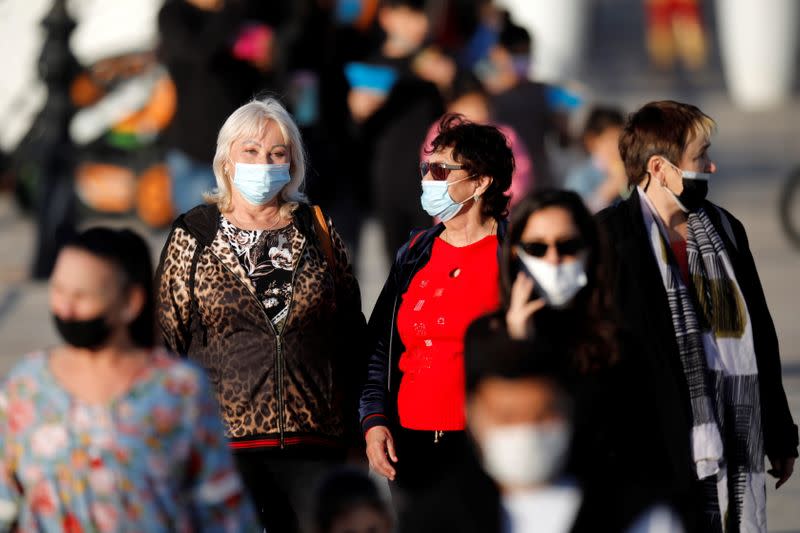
column 439, row 171
column 569, row 247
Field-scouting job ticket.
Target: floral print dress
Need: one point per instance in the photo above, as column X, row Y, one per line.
column 153, row 459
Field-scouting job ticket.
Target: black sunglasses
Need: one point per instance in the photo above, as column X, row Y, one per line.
column 568, row 247
column 439, row 171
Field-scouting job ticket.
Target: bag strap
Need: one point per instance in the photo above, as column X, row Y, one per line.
column 726, row 225
column 194, row 309
column 415, row 238
column 324, row 235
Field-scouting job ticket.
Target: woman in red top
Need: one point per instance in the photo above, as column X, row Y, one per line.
column 412, row 406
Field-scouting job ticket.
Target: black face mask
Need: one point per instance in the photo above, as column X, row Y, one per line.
column 695, row 189
column 693, row 194
column 89, row 334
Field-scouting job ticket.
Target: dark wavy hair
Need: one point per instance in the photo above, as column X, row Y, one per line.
column 588, row 325
column 129, row 254
column 484, row 151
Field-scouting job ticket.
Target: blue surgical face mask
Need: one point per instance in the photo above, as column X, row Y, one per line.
column 260, row 183
column 436, row 199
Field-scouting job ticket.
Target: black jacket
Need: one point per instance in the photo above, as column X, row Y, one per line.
column 642, row 304
column 378, row 405
column 468, row 501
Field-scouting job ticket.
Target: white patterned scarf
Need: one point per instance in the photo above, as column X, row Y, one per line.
column 715, row 341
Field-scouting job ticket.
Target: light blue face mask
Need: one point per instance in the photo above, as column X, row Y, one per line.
column 260, row 183
column 437, row 202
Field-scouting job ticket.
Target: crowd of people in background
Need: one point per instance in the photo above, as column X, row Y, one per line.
column 581, row 352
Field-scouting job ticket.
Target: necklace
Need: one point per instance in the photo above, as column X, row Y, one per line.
column 276, row 220
column 445, row 237
column 456, row 271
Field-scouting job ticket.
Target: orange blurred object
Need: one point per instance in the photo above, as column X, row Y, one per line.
column 153, row 199
column 104, row 187
column 675, row 30
column 156, row 114
column 368, row 10
column 84, row 91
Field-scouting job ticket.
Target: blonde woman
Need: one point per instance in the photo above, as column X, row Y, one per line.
column 257, row 288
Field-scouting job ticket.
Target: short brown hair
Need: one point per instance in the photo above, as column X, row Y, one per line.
column 660, row 128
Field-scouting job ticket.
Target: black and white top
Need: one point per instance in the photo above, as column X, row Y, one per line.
column 266, row 256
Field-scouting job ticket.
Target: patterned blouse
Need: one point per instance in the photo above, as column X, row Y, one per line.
column 266, row 256
column 154, row 459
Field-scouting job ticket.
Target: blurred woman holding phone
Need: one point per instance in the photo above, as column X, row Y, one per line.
column 553, row 279
column 552, row 274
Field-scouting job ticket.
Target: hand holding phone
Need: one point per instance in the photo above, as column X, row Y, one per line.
column 524, row 302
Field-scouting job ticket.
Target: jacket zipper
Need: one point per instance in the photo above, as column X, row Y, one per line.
column 281, row 423
column 278, row 344
column 391, row 354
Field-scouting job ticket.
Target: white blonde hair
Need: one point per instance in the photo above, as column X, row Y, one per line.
column 250, row 121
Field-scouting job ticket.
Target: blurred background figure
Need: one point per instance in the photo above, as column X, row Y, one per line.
column 392, row 107
column 530, row 108
column 23, row 92
column 601, row 179
column 315, row 91
column 520, row 413
column 675, row 32
column 106, row 431
column 348, row 501
column 468, row 98
column 218, row 58
column 561, row 31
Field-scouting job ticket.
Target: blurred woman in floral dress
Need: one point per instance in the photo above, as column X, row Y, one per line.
column 106, row 432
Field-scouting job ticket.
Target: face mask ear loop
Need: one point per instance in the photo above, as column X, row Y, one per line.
column 478, row 195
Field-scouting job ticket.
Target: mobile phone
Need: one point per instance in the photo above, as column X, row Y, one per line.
column 537, row 292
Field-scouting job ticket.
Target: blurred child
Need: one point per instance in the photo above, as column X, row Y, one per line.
column 601, row 178
column 535, row 110
column 349, row 502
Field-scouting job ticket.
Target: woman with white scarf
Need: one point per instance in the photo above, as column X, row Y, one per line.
column 686, row 285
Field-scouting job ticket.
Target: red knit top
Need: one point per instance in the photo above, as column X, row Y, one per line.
column 679, row 249
column 456, row 286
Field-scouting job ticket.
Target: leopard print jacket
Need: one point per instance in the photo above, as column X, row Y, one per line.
column 299, row 387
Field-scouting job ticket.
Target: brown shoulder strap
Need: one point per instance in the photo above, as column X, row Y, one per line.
column 324, row 235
